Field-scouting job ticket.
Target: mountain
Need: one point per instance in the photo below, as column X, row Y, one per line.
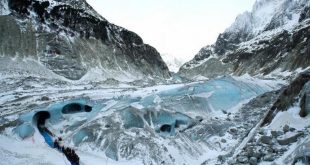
column 72, row 40
column 173, row 63
column 60, row 70
column 273, row 37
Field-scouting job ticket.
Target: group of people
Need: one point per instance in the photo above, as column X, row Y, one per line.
column 69, row 152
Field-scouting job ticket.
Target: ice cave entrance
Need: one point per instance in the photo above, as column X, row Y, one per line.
column 39, row 120
column 76, row 108
column 40, row 117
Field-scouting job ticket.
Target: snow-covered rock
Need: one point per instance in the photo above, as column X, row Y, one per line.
column 4, row 8
column 272, row 37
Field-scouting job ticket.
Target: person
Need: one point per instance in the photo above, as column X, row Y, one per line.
column 77, row 159
column 60, row 143
column 56, row 144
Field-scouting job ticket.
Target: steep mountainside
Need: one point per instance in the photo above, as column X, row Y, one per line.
column 273, row 37
column 69, row 38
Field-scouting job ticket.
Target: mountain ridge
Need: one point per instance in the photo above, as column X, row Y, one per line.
column 255, row 38
column 71, row 39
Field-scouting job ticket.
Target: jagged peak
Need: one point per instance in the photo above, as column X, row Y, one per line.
column 284, row 13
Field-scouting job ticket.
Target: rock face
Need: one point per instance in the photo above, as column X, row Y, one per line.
column 274, row 36
column 305, row 101
column 70, row 38
column 288, row 97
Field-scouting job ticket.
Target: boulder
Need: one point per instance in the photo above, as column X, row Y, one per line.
column 253, row 161
column 288, row 139
column 253, row 151
column 269, row 158
column 223, row 141
column 266, row 139
column 262, row 132
column 243, row 159
column 45, row 98
column 275, row 134
column 286, row 128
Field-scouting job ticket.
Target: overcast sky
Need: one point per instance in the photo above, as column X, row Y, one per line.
column 174, row 27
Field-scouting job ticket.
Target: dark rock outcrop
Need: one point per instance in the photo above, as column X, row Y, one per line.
column 305, row 101
column 70, row 38
column 286, row 140
column 288, row 96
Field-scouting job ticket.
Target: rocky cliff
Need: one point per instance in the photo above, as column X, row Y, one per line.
column 273, row 37
column 72, row 40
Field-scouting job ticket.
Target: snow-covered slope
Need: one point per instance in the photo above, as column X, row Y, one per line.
column 273, row 36
column 267, row 15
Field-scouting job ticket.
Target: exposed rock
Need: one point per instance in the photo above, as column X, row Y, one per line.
column 45, row 98
column 266, row 139
column 233, row 130
column 221, row 158
column 77, row 43
column 223, row 141
column 269, row 157
column 286, row 128
column 253, row 152
column 276, row 133
column 305, row 159
column 241, row 48
column 288, row 139
column 292, row 129
column 305, row 14
column 262, row 132
column 243, row 159
column 253, row 161
column 287, row 96
column 305, row 101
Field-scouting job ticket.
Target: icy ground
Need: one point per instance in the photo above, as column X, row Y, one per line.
column 170, row 124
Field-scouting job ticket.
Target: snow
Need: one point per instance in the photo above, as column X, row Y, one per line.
column 290, row 117
column 29, row 151
column 101, row 74
column 263, row 12
column 169, row 104
column 35, row 151
column 173, row 63
column 267, row 19
column 4, row 8
column 268, row 83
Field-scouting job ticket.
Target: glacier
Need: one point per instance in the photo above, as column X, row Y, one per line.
column 127, row 123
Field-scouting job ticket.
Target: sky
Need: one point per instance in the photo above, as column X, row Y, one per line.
column 178, row 28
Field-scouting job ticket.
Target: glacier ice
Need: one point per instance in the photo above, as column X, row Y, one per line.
column 123, row 123
column 24, row 130
column 164, row 111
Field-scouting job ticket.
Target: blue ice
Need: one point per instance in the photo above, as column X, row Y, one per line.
column 225, row 94
column 24, row 130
